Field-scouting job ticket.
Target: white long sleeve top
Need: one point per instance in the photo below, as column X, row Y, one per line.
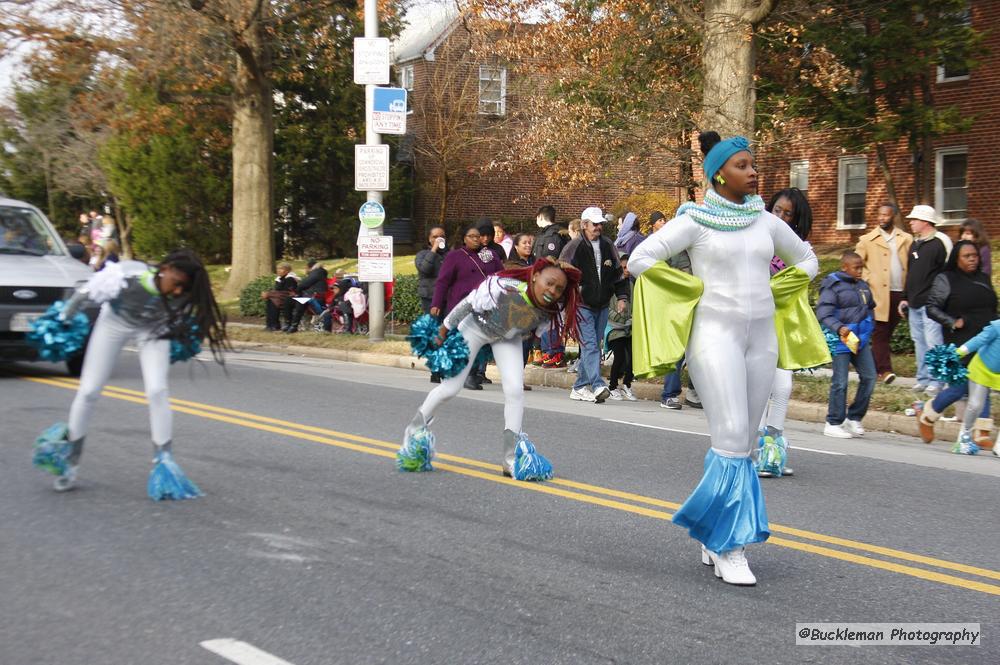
column 733, row 265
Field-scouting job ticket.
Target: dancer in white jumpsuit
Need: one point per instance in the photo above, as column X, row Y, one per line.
column 732, row 351
column 146, row 306
column 502, row 311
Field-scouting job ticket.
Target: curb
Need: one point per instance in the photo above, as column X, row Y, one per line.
column 876, row 421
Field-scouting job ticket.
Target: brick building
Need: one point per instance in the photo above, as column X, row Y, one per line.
column 845, row 189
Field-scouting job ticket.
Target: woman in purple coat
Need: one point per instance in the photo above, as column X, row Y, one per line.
column 462, row 271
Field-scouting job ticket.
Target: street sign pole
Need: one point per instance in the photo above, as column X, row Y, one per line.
column 376, row 290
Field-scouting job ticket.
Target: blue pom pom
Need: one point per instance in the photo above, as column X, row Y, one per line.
column 187, row 346
column 167, row 480
column 52, row 450
column 417, row 453
column 965, row 445
column 772, row 454
column 832, row 341
column 450, row 358
column 944, row 364
column 57, row 340
column 422, row 334
column 529, row 464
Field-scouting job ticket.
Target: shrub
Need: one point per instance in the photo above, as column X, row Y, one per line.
column 405, row 301
column 251, row 304
column 643, row 204
column 900, row 341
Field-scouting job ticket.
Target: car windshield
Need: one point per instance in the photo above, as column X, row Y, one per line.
column 24, row 231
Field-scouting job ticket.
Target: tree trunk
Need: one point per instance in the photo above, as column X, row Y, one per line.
column 253, row 136
column 883, row 165
column 124, row 229
column 728, row 65
column 442, row 197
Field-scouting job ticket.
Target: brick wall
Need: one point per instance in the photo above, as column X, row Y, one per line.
column 979, row 94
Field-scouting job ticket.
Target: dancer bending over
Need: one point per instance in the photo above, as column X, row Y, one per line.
column 503, row 310
column 165, row 311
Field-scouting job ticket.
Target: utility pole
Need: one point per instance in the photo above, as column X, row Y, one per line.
column 376, row 290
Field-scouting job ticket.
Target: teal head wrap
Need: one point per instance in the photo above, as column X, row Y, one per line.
column 722, row 151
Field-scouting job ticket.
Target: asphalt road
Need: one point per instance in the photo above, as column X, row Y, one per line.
column 310, row 546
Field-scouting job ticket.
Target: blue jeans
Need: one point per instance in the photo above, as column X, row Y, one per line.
column 672, row 382
column 864, row 363
column 592, row 323
column 549, row 343
column 952, row 394
column 926, row 334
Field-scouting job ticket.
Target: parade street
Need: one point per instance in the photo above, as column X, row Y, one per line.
column 310, row 546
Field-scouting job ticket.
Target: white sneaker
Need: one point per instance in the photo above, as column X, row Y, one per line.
column 67, row 481
column 602, row 394
column 837, row 432
column 616, row 395
column 627, row 392
column 932, row 390
column 854, row 427
column 584, row 394
column 731, row 566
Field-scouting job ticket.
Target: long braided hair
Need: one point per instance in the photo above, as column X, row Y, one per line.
column 200, row 308
column 564, row 314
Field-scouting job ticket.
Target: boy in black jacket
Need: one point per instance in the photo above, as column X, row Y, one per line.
column 847, row 310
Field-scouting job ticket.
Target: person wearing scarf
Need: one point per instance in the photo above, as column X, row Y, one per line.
column 732, row 349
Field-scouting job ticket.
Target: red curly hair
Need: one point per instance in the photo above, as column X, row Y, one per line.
column 568, row 306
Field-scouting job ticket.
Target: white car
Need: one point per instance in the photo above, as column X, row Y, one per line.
column 36, row 269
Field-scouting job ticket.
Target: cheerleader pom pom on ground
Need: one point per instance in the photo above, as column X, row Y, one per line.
column 168, row 481
column 417, row 452
column 529, row 464
column 52, row 450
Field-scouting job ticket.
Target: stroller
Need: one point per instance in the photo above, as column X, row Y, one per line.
column 334, row 319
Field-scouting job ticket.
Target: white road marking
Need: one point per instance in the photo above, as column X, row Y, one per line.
column 668, row 429
column 241, row 653
column 684, row 431
column 813, row 450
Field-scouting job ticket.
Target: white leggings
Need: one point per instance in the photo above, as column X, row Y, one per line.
column 977, row 400
column 732, row 363
column 110, row 335
column 781, row 392
column 507, row 353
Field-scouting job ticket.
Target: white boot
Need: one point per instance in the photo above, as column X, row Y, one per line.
column 731, row 566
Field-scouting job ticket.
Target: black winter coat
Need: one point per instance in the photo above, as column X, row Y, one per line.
column 428, row 263
column 958, row 295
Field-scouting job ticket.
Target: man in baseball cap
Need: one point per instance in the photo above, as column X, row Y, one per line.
column 927, row 258
column 596, row 257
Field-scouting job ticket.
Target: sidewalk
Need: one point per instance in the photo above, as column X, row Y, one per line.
column 559, row 378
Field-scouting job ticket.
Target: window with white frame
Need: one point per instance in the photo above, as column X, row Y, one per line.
column 798, row 174
column 953, row 66
column 492, row 90
column 852, row 189
column 406, row 77
column 951, row 184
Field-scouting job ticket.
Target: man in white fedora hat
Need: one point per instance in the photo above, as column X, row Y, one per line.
column 928, row 255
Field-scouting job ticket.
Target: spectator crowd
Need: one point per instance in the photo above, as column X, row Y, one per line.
column 940, row 287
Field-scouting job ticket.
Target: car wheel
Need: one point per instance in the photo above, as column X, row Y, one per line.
column 75, row 365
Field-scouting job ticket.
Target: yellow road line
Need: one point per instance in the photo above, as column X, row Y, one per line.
column 310, row 433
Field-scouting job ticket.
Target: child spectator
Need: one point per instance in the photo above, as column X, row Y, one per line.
column 846, row 308
column 619, row 340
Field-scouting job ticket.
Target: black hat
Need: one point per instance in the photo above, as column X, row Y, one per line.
column 655, row 216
